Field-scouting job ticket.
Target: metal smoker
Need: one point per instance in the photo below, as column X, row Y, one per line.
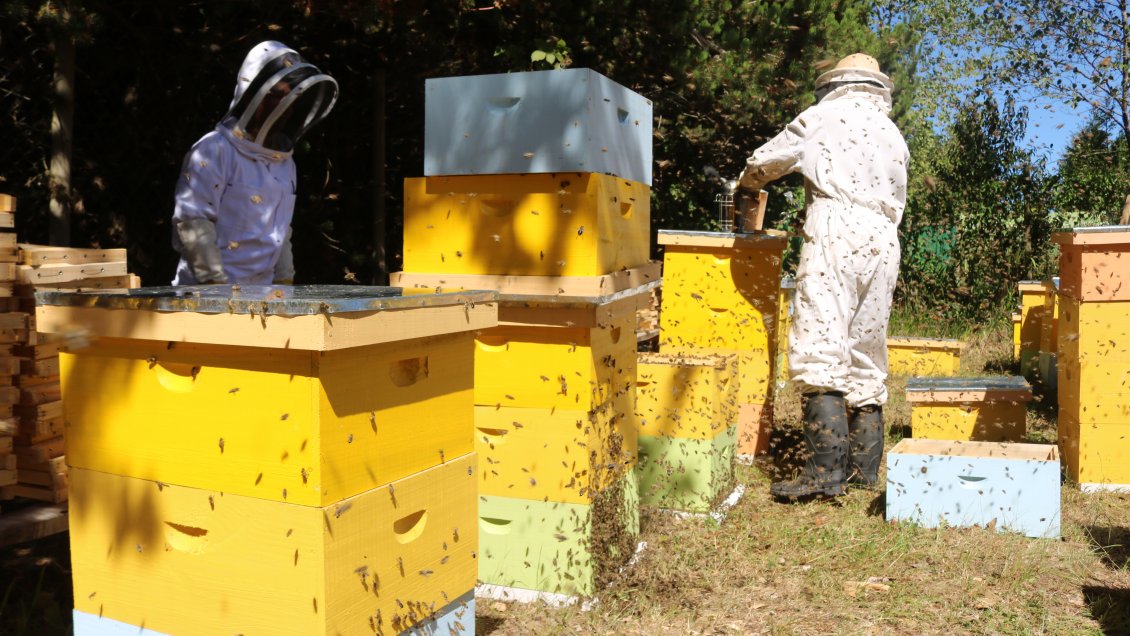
column 724, row 202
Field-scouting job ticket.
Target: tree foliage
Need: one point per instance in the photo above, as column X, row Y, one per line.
column 985, row 223
column 155, row 75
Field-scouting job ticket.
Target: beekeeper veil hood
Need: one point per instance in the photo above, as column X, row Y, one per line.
column 278, row 97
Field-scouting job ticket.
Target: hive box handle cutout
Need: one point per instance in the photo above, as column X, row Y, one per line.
column 408, row 529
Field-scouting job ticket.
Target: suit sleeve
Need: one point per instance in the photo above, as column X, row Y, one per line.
column 199, row 190
column 779, row 156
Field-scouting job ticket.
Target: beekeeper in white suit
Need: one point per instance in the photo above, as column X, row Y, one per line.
column 236, row 191
column 854, row 162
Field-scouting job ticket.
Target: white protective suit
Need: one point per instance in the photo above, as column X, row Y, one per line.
column 854, row 162
column 236, row 192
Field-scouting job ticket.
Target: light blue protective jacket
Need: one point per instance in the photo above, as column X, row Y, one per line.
column 236, row 192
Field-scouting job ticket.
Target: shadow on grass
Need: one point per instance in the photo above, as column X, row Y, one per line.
column 36, row 596
column 488, row 624
column 878, row 506
column 1110, row 607
column 1112, row 545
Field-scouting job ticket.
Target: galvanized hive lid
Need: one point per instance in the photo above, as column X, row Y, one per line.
column 269, row 300
column 951, row 389
column 312, row 317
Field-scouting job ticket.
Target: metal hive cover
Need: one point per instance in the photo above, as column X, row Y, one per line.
column 270, row 300
column 989, row 383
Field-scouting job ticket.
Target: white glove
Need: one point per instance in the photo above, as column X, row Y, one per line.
column 198, row 247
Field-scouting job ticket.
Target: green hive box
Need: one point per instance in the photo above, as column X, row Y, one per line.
column 685, row 474
column 557, row 547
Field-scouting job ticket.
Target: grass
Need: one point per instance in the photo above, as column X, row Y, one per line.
column 812, row 568
column 774, row 568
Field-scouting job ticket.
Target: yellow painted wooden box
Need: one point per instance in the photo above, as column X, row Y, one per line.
column 784, row 320
column 566, row 224
column 686, row 397
column 1017, row 322
column 1096, row 455
column 330, row 412
column 720, row 291
column 307, row 427
column 1093, row 362
column 988, row 409
column 551, row 454
column 1049, row 325
column 554, row 366
column 198, row 561
column 1032, row 301
column 923, row 356
column 755, row 419
column 1094, row 263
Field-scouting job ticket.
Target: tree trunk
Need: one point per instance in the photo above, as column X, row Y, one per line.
column 379, row 254
column 62, row 120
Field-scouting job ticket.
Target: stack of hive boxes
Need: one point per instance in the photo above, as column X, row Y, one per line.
column 289, row 460
column 40, row 444
column 721, row 296
column 537, row 185
column 1093, row 364
column 687, row 418
column 13, row 328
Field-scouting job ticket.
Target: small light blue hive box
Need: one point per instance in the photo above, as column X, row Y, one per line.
column 570, row 120
column 1014, row 487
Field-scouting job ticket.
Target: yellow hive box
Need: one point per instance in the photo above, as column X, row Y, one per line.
column 197, row 561
column 755, row 370
column 1049, row 325
column 720, row 293
column 1017, row 322
column 689, row 397
column 784, row 320
column 1096, row 456
column 567, row 224
column 1093, row 362
column 298, row 426
column 1032, row 300
column 755, row 419
column 1090, row 263
column 554, row 367
column 991, row 409
column 923, row 356
column 558, row 455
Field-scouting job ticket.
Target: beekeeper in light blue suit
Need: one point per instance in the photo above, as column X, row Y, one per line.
column 236, row 191
column 854, row 161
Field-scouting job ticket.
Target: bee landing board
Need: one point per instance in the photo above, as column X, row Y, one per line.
column 568, row 224
column 195, row 561
column 989, row 409
column 571, row 120
column 923, row 356
column 1013, row 487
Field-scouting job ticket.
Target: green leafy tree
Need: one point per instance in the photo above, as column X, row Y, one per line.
column 1093, row 179
column 985, row 224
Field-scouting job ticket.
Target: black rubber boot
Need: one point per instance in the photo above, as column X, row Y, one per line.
column 826, row 438
column 865, row 435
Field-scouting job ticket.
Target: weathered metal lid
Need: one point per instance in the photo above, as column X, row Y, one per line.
column 268, row 300
column 692, row 238
column 988, row 383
